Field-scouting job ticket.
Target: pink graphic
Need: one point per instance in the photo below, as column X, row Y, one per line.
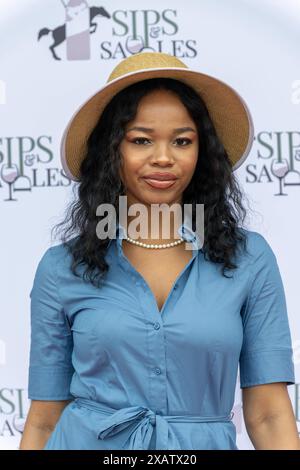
column 134, row 44
column 9, row 174
column 238, row 417
column 77, row 29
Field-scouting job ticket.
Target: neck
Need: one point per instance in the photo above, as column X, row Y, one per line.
column 157, row 227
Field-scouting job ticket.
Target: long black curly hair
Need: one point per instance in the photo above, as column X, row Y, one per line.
column 213, row 183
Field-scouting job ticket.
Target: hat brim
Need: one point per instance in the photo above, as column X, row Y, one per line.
column 227, row 109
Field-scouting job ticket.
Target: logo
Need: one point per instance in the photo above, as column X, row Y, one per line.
column 132, row 31
column 12, row 411
column 31, row 168
column 2, row 92
column 295, row 97
column 277, row 161
column 139, row 226
column 2, row 352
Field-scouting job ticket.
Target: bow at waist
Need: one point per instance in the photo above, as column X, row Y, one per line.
column 144, row 420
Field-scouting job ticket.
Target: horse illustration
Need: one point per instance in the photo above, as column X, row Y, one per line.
column 59, row 33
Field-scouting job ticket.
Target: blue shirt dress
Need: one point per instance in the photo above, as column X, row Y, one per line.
column 140, row 378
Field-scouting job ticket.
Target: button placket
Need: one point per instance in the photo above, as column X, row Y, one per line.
column 157, row 357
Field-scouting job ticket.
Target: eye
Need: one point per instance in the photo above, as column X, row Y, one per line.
column 139, row 140
column 182, row 139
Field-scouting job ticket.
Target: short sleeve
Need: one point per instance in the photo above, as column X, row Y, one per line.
column 50, row 363
column 266, row 354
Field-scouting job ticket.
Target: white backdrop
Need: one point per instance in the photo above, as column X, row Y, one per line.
column 251, row 44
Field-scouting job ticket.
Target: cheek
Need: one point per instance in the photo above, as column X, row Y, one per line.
column 130, row 167
column 189, row 164
column 133, row 159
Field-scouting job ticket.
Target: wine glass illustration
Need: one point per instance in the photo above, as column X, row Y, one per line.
column 9, row 174
column 293, row 176
column 134, row 44
column 19, row 423
column 280, row 168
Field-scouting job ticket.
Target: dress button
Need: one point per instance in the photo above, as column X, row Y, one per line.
column 156, row 326
column 153, row 420
column 175, row 287
column 157, row 370
column 159, row 412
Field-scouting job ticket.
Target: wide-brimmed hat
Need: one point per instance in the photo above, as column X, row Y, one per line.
column 227, row 109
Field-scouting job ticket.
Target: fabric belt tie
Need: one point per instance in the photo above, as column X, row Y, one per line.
column 145, row 419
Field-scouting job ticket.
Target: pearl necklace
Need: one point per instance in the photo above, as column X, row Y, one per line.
column 146, row 245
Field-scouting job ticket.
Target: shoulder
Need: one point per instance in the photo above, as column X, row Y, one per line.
column 54, row 257
column 258, row 250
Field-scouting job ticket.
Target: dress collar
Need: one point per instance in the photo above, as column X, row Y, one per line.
column 185, row 231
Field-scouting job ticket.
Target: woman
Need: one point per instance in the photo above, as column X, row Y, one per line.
column 136, row 347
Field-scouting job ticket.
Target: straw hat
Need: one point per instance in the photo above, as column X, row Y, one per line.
column 227, row 109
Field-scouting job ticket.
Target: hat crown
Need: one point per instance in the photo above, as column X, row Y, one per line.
column 145, row 60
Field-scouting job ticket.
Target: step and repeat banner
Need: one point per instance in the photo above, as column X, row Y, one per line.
column 54, row 54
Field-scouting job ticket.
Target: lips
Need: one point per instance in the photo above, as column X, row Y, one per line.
column 161, row 176
column 160, row 180
column 160, row 184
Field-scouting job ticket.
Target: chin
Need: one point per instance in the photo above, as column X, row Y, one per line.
column 157, row 199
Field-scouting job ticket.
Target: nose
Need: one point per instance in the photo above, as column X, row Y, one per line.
column 162, row 154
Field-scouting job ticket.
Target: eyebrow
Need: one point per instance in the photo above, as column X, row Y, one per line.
column 178, row 130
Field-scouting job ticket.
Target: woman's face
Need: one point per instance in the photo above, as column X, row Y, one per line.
column 162, row 138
